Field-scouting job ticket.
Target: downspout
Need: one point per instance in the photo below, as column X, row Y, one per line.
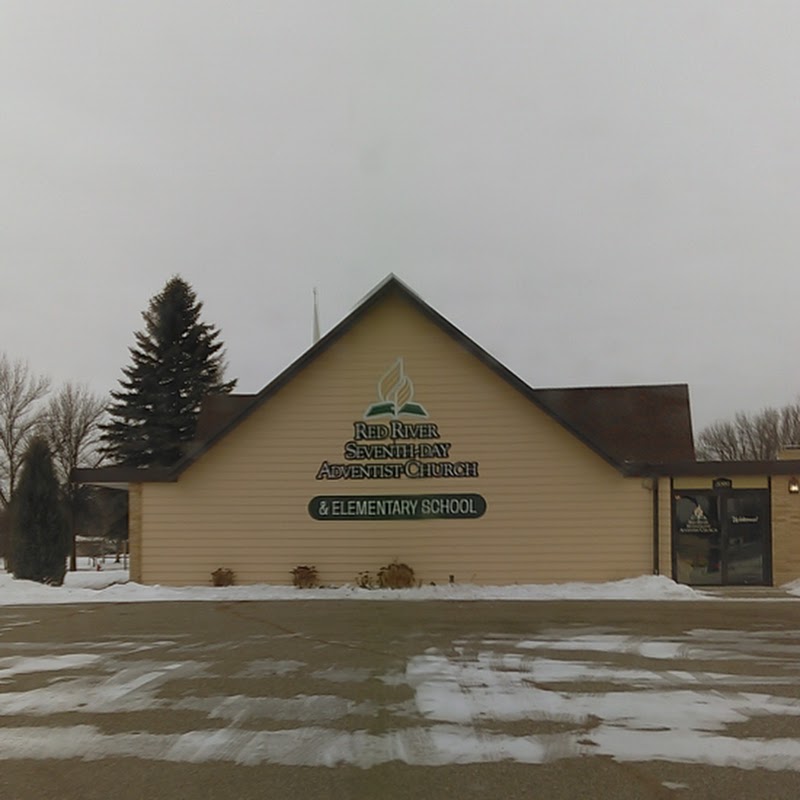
column 656, row 539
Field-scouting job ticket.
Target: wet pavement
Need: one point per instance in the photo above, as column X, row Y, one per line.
column 355, row 699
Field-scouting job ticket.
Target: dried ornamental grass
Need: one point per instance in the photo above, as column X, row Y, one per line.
column 396, row 576
column 365, row 580
column 305, row 577
column 223, row 577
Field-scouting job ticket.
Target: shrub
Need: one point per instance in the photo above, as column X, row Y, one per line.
column 305, row 577
column 396, row 576
column 222, row 577
column 364, row 580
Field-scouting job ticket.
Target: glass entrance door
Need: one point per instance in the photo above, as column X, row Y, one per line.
column 721, row 537
column 746, row 537
column 698, row 538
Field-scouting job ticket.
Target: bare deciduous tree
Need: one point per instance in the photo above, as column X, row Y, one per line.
column 71, row 426
column 750, row 437
column 21, row 393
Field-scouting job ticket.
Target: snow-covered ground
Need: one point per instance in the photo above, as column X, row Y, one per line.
column 111, row 584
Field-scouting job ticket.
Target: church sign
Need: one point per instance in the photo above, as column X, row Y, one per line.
column 395, row 449
column 397, row 507
column 385, row 447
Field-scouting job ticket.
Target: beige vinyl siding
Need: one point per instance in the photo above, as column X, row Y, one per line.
column 135, row 531
column 738, row 482
column 785, row 532
column 556, row 510
column 665, row 526
column 751, row 482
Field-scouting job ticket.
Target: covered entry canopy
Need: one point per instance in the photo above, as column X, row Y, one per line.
column 398, row 437
column 732, row 522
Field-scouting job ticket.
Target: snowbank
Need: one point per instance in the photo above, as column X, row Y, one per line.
column 112, row 586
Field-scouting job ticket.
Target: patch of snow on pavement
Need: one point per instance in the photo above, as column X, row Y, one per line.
column 19, row 665
column 265, row 667
column 309, row 747
column 462, row 697
column 645, row 721
column 792, row 588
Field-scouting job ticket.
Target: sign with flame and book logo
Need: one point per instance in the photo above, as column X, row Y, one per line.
column 395, row 395
column 394, row 441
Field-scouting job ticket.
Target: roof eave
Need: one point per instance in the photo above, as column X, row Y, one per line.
column 118, row 477
column 690, row 469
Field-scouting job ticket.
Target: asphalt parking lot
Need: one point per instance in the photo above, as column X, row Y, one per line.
column 401, row 699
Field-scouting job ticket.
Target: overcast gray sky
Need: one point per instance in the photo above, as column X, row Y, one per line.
column 598, row 193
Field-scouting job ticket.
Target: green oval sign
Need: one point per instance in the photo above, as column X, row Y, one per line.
column 397, row 507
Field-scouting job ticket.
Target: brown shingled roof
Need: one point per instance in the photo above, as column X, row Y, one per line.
column 631, row 423
column 217, row 410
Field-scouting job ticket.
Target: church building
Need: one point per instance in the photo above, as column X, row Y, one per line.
column 397, row 437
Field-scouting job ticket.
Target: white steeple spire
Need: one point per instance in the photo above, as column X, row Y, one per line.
column 315, row 334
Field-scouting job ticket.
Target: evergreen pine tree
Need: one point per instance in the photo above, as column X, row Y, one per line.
column 40, row 539
column 176, row 362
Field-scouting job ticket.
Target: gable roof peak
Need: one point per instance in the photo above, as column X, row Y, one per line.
column 569, row 407
column 382, row 287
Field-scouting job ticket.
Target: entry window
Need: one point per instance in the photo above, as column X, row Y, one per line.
column 747, row 529
column 721, row 537
column 699, row 543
